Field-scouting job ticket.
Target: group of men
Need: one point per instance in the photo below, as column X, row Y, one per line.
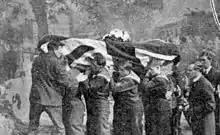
column 202, row 110
column 205, row 110
column 57, row 89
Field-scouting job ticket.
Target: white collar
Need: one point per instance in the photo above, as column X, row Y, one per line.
column 133, row 76
column 208, row 69
column 163, row 76
column 104, row 73
column 197, row 78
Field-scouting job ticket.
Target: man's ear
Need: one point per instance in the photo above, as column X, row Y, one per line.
column 158, row 67
column 44, row 47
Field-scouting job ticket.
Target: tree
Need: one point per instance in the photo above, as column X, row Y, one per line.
column 98, row 17
column 39, row 10
column 13, row 22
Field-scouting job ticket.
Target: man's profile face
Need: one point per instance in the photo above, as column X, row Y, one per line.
column 58, row 52
column 154, row 70
column 122, row 71
column 205, row 62
column 95, row 67
column 64, row 50
column 61, row 51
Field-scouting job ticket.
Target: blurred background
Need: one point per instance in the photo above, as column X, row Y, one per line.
column 188, row 23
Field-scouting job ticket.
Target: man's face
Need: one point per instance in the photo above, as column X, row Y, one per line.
column 61, row 51
column 95, row 67
column 191, row 73
column 205, row 62
column 64, row 50
column 154, row 70
column 123, row 72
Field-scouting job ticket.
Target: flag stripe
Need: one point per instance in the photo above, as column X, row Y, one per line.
column 126, row 53
column 141, row 53
column 138, row 53
column 80, row 50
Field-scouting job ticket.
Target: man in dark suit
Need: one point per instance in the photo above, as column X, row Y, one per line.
column 157, row 108
column 213, row 75
column 201, row 103
column 96, row 93
column 50, row 79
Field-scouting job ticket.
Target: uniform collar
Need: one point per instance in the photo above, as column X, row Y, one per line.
column 133, row 76
column 197, row 78
column 208, row 69
column 103, row 73
column 163, row 76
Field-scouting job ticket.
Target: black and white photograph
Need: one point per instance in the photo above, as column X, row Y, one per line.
column 109, row 67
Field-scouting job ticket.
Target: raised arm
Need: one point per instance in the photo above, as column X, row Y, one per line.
column 64, row 77
column 98, row 82
column 157, row 82
column 124, row 85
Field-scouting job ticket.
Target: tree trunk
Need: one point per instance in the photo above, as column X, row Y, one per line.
column 71, row 23
column 72, row 31
column 39, row 10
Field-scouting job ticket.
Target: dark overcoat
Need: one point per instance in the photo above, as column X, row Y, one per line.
column 96, row 95
column 50, row 80
column 202, row 106
column 157, row 108
column 128, row 108
column 214, row 77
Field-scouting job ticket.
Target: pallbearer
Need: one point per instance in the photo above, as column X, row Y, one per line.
column 96, row 92
column 157, row 107
column 73, row 108
column 128, row 108
column 50, row 79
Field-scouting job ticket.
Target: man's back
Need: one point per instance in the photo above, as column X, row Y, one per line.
column 45, row 89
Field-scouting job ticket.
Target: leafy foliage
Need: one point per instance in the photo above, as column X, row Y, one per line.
column 100, row 16
column 39, row 10
column 13, row 20
column 201, row 24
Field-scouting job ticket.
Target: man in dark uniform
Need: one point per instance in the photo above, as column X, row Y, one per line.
column 50, row 79
column 157, row 107
column 96, row 93
column 201, row 103
column 73, row 108
column 128, row 108
column 213, row 75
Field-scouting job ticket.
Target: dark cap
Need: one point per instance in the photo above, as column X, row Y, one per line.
column 99, row 58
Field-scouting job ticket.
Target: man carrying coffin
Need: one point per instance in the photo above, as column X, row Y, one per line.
column 96, row 91
column 50, row 79
column 157, row 108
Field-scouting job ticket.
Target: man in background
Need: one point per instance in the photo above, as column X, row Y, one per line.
column 213, row 75
column 201, row 102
